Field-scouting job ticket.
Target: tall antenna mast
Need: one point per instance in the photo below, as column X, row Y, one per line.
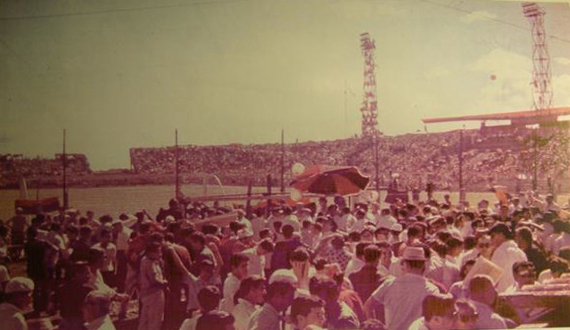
column 369, row 107
column 542, row 89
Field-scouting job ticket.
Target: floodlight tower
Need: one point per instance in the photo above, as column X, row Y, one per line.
column 369, row 107
column 542, row 89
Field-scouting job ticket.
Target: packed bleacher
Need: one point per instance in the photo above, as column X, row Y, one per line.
column 491, row 157
column 12, row 167
column 423, row 265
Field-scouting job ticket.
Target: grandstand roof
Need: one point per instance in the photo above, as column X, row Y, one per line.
column 516, row 115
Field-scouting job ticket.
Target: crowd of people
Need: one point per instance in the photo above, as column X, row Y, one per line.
column 12, row 167
column 488, row 159
column 323, row 265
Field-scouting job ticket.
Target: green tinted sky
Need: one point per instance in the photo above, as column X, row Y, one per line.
column 121, row 74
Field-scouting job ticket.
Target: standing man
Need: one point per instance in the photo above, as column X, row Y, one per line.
column 280, row 295
column 505, row 255
column 402, row 296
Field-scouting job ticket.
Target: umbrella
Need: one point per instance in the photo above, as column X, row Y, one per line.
column 329, row 180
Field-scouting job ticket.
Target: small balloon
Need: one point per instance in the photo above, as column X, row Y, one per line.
column 296, row 195
column 297, row 169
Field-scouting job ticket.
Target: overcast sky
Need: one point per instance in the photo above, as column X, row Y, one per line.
column 122, row 74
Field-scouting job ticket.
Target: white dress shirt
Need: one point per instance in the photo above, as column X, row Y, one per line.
column 505, row 256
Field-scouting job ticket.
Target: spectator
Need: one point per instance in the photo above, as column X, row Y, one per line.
column 280, row 294
column 483, row 293
column 96, row 309
column 401, row 297
column 17, row 301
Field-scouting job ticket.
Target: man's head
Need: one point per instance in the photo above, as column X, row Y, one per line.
column 238, row 264
column 438, row 311
column 500, row 233
column 252, row 289
column 414, row 260
column 524, row 273
column 18, row 292
column 523, row 237
column 307, row 311
column 153, row 251
column 206, row 269
column 81, row 272
column 265, row 246
column 197, row 241
column 209, row 298
column 482, row 289
column 216, row 320
column 324, row 288
column 281, row 289
column 372, row 255
column 97, row 304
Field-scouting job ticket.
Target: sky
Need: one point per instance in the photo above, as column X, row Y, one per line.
column 123, row 74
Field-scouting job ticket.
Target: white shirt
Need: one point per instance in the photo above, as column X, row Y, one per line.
column 419, row 324
column 110, row 254
column 190, row 324
column 560, row 242
column 353, row 266
column 123, row 237
column 257, row 224
column 256, row 264
column 402, row 298
column 265, row 318
column 231, row 285
column 242, row 312
column 293, row 221
column 444, row 272
column 505, row 256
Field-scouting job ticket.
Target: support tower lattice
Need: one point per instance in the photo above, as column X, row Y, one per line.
column 369, row 107
column 541, row 87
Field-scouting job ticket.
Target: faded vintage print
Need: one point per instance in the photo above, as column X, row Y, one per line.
column 282, row 164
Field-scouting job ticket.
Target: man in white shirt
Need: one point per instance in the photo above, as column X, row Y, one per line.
column 402, row 297
column 483, row 293
column 238, row 264
column 506, row 253
column 280, row 295
column 256, row 256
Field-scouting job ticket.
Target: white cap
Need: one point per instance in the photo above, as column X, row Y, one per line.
column 283, row 275
column 396, row 227
column 19, row 284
